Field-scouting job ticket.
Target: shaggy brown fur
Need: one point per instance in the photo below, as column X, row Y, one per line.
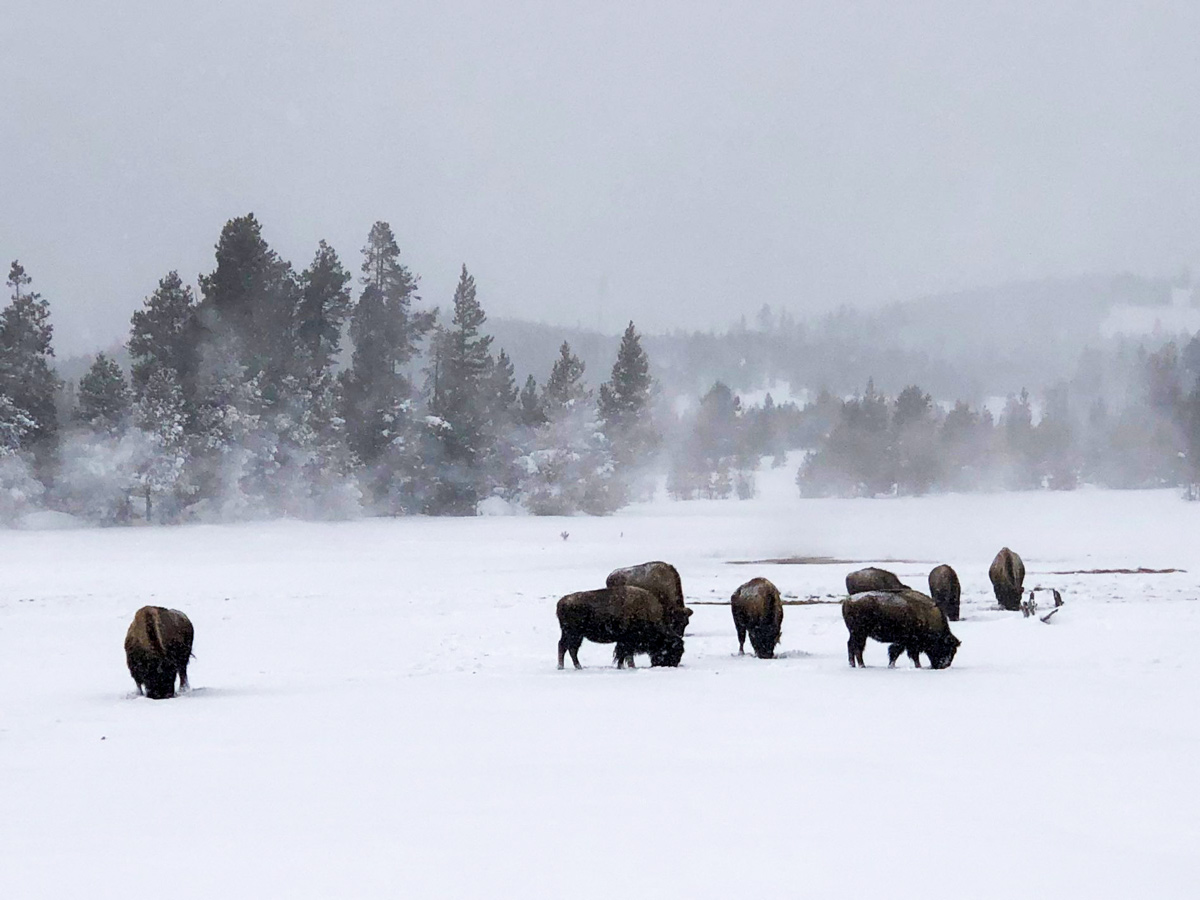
column 633, row 618
column 872, row 579
column 758, row 609
column 662, row 580
column 907, row 620
column 1008, row 579
column 158, row 646
column 945, row 591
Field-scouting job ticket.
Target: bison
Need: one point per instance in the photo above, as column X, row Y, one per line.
column 662, row 580
column 872, row 579
column 158, row 646
column 1008, row 579
column 634, row 618
column 907, row 620
column 945, row 591
column 758, row 609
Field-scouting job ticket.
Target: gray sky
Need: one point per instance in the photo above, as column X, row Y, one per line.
column 675, row 163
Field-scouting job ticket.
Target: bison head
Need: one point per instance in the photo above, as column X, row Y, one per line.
column 668, row 653
column 678, row 619
column 159, row 679
column 942, row 655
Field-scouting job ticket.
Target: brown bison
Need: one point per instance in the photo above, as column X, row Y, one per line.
column 907, row 620
column 872, row 579
column 662, row 580
column 158, row 646
column 633, row 618
column 1008, row 579
column 757, row 609
column 945, row 591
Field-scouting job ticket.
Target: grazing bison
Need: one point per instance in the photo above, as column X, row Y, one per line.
column 660, row 579
column 758, row 609
column 907, row 620
column 635, row 619
column 1008, row 579
column 872, row 579
column 158, row 646
column 945, row 591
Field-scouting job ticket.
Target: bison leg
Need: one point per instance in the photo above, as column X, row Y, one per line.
column 915, row 656
column 741, row 633
column 855, row 646
column 573, row 646
column 562, row 650
column 623, row 654
column 894, row 652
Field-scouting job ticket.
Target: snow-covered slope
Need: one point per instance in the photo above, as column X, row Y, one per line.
column 376, row 711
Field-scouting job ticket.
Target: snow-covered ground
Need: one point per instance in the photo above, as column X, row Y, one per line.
column 376, row 711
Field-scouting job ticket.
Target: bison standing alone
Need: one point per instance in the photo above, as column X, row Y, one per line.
column 633, row 618
column 945, row 591
column 158, row 646
column 872, row 579
column 758, row 609
column 1008, row 579
column 907, row 620
column 662, row 580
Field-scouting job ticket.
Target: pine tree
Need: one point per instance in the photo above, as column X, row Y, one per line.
column 26, row 376
column 459, row 397
column 624, row 404
column 250, row 300
column 565, row 385
column 569, row 466
column 386, row 332
column 19, row 489
column 104, row 402
column 404, row 327
column 502, row 393
column 160, row 415
column 165, row 333
column 530, row 410
column 324, row 304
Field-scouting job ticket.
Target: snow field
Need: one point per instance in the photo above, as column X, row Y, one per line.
column 377, row 712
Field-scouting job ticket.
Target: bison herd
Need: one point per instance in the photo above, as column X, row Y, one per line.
column 642, row 610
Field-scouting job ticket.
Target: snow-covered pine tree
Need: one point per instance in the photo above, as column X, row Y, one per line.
column 502, row 392
column 165, row 333
column 569, row 467
column 377, row 401
column 26, row 376
column 324, row 304
column 624, row 406
column 226, row 424
column 103, row 398
column 565, row 385
column 250, row 302
column 530, row 410
column 507, row 436
column 459, row 397
column 160, row 416
column 19, row 488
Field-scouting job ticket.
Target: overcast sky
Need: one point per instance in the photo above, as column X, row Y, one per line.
column 674, row 163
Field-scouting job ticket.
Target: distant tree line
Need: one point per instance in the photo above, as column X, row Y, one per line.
column 246, row 400
column 1130, row 418
column 311, row 393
